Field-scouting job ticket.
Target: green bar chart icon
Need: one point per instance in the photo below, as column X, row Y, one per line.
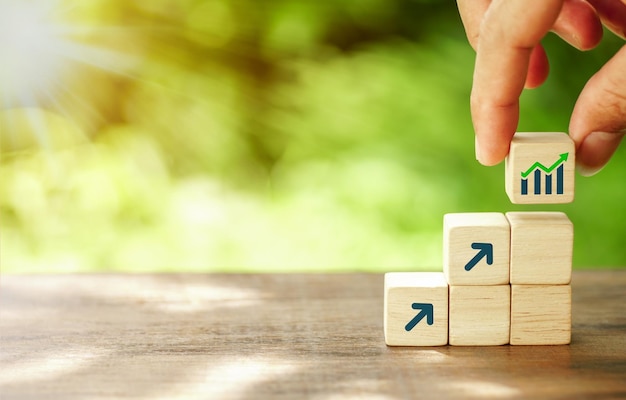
column 542, row 177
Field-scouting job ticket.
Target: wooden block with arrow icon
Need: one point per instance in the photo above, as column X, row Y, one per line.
column 416, row 309
column 540, row 168
column 476, row 248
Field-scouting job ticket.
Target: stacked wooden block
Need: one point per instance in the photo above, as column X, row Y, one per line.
column 506, row 277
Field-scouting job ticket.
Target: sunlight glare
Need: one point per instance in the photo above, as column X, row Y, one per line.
column 29, row 50
column 50, row 60
column 484, row 389
column 46, row 367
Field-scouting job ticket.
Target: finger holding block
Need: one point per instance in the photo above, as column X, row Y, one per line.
column 416, row 309
column 540, row 168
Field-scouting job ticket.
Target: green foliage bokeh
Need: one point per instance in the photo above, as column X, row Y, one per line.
column 274, row 136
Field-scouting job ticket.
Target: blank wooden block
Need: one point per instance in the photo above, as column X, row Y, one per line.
column 416, row 309
column 540, row 168
column 541, row 314
column 480, row 315
column 541, row 248
column 476, row 248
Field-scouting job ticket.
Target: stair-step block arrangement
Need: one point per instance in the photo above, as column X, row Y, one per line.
column 506, row 277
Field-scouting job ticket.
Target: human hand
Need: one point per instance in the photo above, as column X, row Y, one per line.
column 506, row 35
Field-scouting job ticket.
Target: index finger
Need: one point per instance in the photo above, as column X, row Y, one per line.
column 510, row 30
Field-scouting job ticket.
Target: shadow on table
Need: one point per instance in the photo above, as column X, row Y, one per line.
column 259, row 336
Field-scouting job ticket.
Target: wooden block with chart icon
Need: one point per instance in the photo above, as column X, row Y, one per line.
column 416, row 309
column 541, row 314
column 476, row 248
column 540, row 168
column 541, row 248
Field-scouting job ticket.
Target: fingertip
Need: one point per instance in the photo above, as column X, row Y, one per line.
column 595, row 151
column 587, row 171
column 494, row 127
column 598, row 122
column 488, row 159
column 490, row 162
column 489, row 153
column 579, row 25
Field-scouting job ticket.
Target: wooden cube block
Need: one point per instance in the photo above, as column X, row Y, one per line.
column 416, row 309
column 541, row 314
column 476, row 248
column 480, row 315
column 541, row 248
column 540, row 168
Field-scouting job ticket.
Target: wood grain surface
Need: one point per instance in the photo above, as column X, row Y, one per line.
column 542, row 247
column 279, row 337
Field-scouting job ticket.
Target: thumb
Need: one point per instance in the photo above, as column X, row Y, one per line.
column 599, row 118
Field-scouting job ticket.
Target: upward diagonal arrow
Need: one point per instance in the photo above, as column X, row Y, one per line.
column 562, row 158
column 484, row 250
column 426, row 311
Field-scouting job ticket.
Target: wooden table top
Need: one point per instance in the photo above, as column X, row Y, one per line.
column 273, row 336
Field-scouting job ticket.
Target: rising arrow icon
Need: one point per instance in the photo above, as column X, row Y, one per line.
column 484, row 250
column 426, row 310
column 562, row 158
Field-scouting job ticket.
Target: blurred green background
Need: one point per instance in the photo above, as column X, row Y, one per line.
column 283, row 135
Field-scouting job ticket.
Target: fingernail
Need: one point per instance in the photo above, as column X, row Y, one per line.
column 585, row 170
column 576, row 42
column 477, row 149
column 596, row 151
